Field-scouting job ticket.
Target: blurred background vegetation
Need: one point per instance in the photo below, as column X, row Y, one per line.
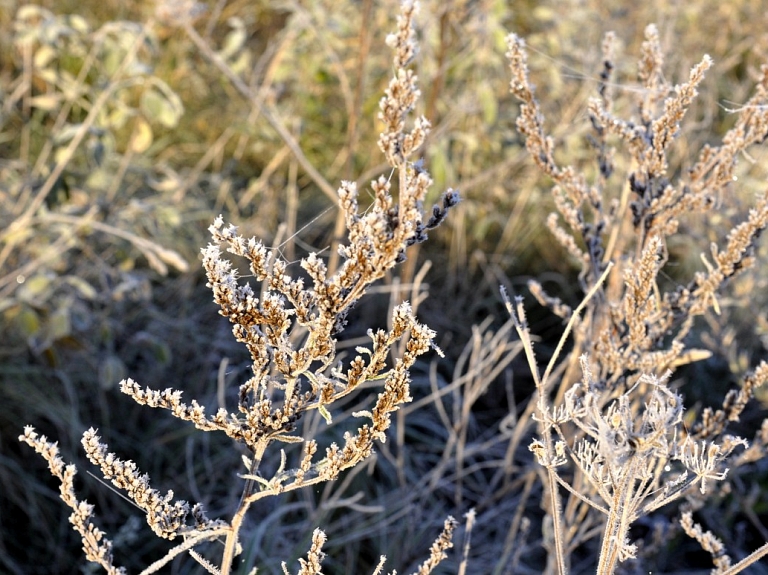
column 124, row 132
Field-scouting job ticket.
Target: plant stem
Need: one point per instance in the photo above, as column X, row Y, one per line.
column 245, row 502
column 619, row 520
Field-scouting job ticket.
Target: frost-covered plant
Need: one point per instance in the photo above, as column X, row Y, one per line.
column 620, row 425
column 289, row 326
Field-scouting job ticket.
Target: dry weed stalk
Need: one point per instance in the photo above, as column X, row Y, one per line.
column 620, row 424
column 291, row 378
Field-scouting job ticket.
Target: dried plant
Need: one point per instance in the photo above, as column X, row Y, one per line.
column 289, row 328
column 611, row 440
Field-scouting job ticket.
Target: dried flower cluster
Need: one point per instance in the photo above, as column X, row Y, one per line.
column 621, row 426
column 439, row 547
column 289, row 326
column 96, row 546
